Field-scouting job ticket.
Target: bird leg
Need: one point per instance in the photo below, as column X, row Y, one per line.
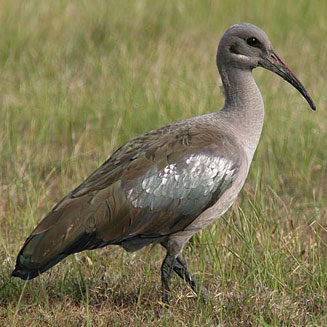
column 181, row 270
column 166, row 272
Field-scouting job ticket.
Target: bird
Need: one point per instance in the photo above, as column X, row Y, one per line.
column 166, row 185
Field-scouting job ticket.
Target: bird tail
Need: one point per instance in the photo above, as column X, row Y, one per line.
column 67, row 229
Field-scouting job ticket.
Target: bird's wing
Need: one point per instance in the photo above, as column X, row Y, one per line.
column 153, row 186
column 153, row 182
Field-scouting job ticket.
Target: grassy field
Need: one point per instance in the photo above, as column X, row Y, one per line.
column 79, row 78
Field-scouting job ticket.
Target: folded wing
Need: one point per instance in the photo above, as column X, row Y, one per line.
column 152, row 187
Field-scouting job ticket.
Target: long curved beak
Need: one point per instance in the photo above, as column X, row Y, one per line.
column 275, row 64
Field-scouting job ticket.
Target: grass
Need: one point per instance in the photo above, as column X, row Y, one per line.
column 80, row 78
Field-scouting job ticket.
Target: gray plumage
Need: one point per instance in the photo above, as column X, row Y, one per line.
column 166, row 185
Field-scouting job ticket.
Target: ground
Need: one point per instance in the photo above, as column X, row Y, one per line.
column 80, row 78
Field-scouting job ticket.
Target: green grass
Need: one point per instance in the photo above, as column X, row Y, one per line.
column 79, row 78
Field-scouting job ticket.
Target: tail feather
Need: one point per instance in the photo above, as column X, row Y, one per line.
column 85, row 242
column 64, row 231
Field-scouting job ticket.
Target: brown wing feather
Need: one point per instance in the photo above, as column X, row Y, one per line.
column 100, row 206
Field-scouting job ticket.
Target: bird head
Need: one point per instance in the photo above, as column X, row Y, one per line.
column 246, row 46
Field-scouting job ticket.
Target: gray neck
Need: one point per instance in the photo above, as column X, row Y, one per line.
column 244, row 109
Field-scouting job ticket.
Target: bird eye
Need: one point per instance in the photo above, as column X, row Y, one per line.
column 253, row 42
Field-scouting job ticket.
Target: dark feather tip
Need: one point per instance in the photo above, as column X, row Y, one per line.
column 23, row 274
